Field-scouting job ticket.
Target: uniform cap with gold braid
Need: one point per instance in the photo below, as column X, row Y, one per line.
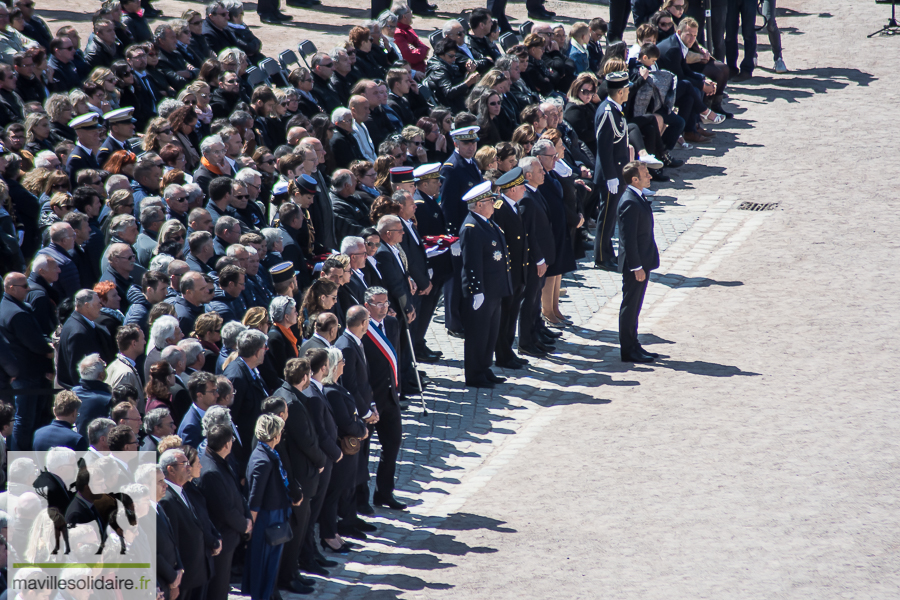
column 120, row 115
column 479, row 192
column 512, row 178
column 402, row 175
column 429, row 171
column 466, row 134
column 282, row 272
column 88, row 120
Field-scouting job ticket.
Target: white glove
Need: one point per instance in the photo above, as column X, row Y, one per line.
column 455, row 248
column 477, row 301
column 612, row 185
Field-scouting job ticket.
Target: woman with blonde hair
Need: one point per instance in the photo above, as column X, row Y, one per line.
column 171, row 231
column 37, row 133
column 486, row 157
column 270, row 504
column 257, row 318
column 107, row 80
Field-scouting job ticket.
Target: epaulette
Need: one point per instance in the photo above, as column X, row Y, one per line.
column 498, row 204
column 448, row 164
column 102, row 149
column 470, row 224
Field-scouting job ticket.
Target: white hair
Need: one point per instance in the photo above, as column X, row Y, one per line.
column 208, row 142
column 161, row 262
column 83, row 297
column 91, row 367
column 192, row 190
column 339, row 114
column 44, row 159
column 59, row 457
column 247, row 175
column 41, row 262
column 450, row 26
column 234, row 249
column 192, row 350
column 350, row 242
column 111, row 181
column 215, row 415
column 163, row 328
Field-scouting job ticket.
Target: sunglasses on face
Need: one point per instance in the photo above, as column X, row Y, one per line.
column 241, row 196
column 493, row 104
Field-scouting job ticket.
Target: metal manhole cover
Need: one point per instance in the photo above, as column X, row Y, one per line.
column 758, row 206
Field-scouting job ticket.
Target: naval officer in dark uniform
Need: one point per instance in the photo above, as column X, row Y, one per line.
column 511, row 187
column 460, row 174
column 84, row 155
column 638, row 255
column 121, row 128
column 430, row 221
column 486, row 282
column 613, row 153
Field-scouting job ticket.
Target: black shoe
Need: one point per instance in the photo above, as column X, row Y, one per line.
column 456, row 334
column 509, row 364
column 315, row 568
column 351, row 531
column 426, row 357
column 650, row 354
column 637, row 357
column 544, row 347
column 553, row 333
column 363, row 525
column 424, row 12
column 298, row 576
column 298, row 588
column 658, row 175
column 543, row 13
column 742, row 76
column 389, row 502
column 672, row 163
column 520, row 360
column 411, row 386
column 479, row 383
column 433, row 6
column 609, row 264
column 545, row 339
column 532, row 351
column 365, row 509
column 325, row 562
column 344, row 549
column 274, row 18
column 722, row 111
column 494, row 378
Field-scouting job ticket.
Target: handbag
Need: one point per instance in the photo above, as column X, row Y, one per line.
column 279, row 533
column 350, row 445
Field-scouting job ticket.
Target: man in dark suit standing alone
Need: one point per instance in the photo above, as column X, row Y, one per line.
column 638, row 255
column 380, row 343
column 612, row 154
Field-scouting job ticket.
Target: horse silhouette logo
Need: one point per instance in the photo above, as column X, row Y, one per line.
column 67, row 509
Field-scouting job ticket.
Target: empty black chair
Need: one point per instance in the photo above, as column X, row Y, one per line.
column 508, row 40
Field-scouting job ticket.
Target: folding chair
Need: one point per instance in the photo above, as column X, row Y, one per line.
column 306, row 48
column 525, row 28
column 255, row 76
column 288, row 58
column 434, row 37
column 274, row 72
column 508, row 40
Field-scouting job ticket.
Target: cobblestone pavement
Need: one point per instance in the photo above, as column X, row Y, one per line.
column 450, row 454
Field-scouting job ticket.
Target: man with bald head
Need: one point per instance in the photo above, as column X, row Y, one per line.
column 35, row 359
column 295, row 134
column 360, row 109
column 62, row 244
column 121, row 263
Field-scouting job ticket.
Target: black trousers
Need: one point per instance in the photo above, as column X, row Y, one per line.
column 362, row 472
column 530, row 311
column 618, row 19
column 424, row 313
column 741, row 14
column 290, row 556
column 379, row 6
column 509, row 318
column 606, row 223
column 343, row 477
column 689, row 101
column 498, row 11
column 390, row 435
column 649, row 134
column 632, row 299
column 220, row 584
column 309, row 551
column 453, row 296
column 482, row 327
column 266, row 6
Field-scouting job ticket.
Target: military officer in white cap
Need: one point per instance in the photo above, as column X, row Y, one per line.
column 460, row 174
column 121, row 128
column 485, row 281
column 84, row 156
